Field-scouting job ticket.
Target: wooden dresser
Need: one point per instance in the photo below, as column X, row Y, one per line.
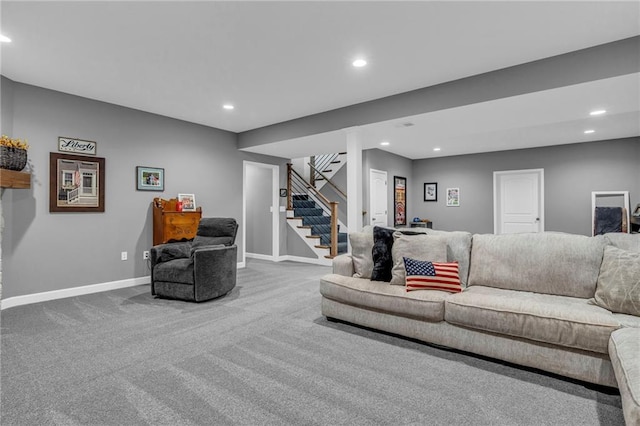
column 171, row 225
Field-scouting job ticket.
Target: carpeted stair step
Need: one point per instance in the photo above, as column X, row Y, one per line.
column 322, row 229
column 302, row 212
column 304, row 204
column 325, row 239
column 316, row 220
column 295, row 197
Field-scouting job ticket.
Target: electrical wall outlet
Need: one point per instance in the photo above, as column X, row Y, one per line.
column 145, row 254
column 123, row 255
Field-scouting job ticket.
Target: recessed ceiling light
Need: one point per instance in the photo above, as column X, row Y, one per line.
column 436, row 149
column 586, row 132
column 359, row 63
column 385, row 143
column 4, row 39
column 598, row 112
column 228, row 106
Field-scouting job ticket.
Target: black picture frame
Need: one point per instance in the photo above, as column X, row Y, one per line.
column 399, row 200
column 431, row 191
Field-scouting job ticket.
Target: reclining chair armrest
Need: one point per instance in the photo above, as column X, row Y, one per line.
column 214, row 269
column 169, row 251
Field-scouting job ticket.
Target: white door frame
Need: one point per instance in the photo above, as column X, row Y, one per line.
column 275, row 209
column 496, row 195
column 371, row 193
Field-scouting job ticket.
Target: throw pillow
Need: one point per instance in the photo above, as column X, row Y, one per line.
column 629, row 242
column 425, row 275
column 381, row 253
column 415, row 246
column 361, row 253
column 618, row 288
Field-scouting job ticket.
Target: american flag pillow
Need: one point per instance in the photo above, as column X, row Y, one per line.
column 425, row 275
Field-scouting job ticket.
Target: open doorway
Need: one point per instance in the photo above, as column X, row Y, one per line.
column 260, row 212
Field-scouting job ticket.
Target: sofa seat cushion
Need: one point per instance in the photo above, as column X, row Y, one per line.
column 174, row 271
column 559, row 320
column 624, row 347
column 383, row 297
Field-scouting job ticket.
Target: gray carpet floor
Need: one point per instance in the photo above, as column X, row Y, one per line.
column 261, row 355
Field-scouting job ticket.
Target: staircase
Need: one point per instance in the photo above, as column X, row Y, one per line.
column 317, row 222
column 324, row 167
column 314, row 218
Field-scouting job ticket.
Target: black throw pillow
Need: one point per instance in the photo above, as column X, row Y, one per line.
column 382, row 261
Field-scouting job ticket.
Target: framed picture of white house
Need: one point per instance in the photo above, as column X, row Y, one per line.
column 76, row 183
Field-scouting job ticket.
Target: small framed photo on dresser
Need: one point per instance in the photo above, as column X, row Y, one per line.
column 188, row 202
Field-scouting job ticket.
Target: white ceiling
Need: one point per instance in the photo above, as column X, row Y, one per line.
column 276, row 61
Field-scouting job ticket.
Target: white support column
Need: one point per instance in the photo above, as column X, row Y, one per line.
column 354, row 178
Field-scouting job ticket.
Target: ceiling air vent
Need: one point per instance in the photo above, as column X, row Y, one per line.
column 405, row 124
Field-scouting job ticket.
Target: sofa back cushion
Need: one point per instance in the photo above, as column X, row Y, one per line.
column 419, row 247
column 549, row 263
column 361, row 253
column 458, row 250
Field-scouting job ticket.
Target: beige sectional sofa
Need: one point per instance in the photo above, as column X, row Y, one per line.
column 538, row 300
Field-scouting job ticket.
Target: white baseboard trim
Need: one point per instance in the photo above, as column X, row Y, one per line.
column 71, row 292
column 323, row 261
column 260, row 256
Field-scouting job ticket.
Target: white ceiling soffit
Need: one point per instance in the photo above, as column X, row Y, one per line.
column 276, row 61
column 550, row 117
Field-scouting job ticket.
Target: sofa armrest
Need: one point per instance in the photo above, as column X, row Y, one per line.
column 343, row 265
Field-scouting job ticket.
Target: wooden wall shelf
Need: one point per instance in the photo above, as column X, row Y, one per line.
column 15, row 180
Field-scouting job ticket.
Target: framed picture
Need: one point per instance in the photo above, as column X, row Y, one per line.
column 188, row 202
column 76, row 183
column 399, row 200
column 453, row 197
column 149, row 179
column 431, row 191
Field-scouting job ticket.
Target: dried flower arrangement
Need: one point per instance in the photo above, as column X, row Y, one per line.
column 13, row 143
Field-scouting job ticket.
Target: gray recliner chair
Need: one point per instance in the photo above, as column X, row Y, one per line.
column 197, row 270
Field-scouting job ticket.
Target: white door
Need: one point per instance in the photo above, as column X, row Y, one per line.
column 378, row 197
column 518, row 201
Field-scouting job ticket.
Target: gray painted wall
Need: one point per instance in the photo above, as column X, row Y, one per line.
column 571, row 172
column 6, row 102
column 394, row 165
column 45, row 251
